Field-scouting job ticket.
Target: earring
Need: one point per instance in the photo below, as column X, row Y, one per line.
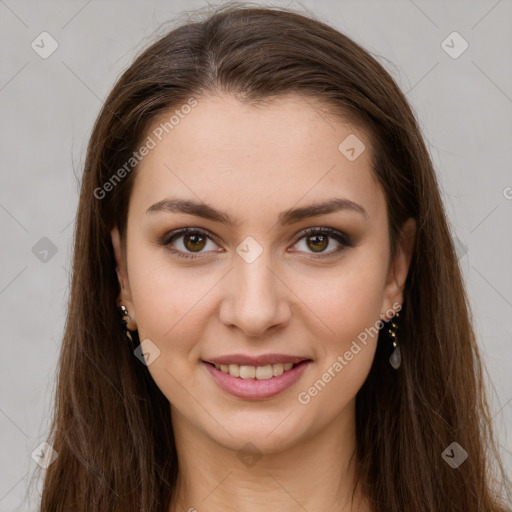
column 395, row 359
column 125, row 319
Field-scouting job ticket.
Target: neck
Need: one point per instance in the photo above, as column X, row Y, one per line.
column 314, row 474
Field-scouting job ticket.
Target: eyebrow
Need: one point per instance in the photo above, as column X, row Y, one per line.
column 287, row 217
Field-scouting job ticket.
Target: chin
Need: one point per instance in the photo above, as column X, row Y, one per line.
column 269, row 434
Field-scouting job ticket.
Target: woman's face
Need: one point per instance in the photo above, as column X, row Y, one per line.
column 248, row 281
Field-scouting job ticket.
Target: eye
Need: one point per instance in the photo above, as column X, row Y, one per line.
column 318, row 239
column 193, row 240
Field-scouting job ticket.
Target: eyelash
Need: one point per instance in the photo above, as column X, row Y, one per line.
column 343, row 239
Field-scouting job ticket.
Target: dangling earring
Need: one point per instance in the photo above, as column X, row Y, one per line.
column 125, row 319
column 395, row 359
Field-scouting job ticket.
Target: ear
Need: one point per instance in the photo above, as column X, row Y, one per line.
column 398, row 269
column 125, row 296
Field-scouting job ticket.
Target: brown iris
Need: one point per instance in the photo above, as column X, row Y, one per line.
column 197, row 242
column 318, row 246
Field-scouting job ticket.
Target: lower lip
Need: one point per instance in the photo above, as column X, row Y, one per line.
column 255, row 389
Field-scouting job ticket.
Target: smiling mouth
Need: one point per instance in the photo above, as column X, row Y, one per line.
column 265, row 372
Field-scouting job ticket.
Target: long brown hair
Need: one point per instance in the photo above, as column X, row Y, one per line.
column 111, row 426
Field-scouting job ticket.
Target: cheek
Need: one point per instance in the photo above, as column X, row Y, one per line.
column 349, row 304
column 167, row 299
column 170, row 303
column 349, row 299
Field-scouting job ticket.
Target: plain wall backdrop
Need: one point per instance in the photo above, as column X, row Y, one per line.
column 462, row 98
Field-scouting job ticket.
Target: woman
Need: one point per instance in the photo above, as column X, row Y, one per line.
column 266, row 307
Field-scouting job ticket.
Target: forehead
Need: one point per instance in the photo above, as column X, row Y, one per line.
column 237, row 155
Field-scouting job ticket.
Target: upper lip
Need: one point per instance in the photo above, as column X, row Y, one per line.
column 261, row 360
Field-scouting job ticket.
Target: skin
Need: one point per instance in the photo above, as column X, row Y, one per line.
column 254, row 163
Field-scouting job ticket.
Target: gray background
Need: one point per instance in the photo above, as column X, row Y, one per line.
column 48, row 106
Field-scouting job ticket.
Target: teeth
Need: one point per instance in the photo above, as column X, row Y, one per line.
column 264, row 372
column 247, row 372
column 233, row 369
column 255, row 372
column 277, row 369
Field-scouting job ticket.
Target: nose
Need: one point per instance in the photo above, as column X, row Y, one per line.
column 256, row 299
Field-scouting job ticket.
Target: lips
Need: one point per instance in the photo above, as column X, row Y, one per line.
column 256, row 382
